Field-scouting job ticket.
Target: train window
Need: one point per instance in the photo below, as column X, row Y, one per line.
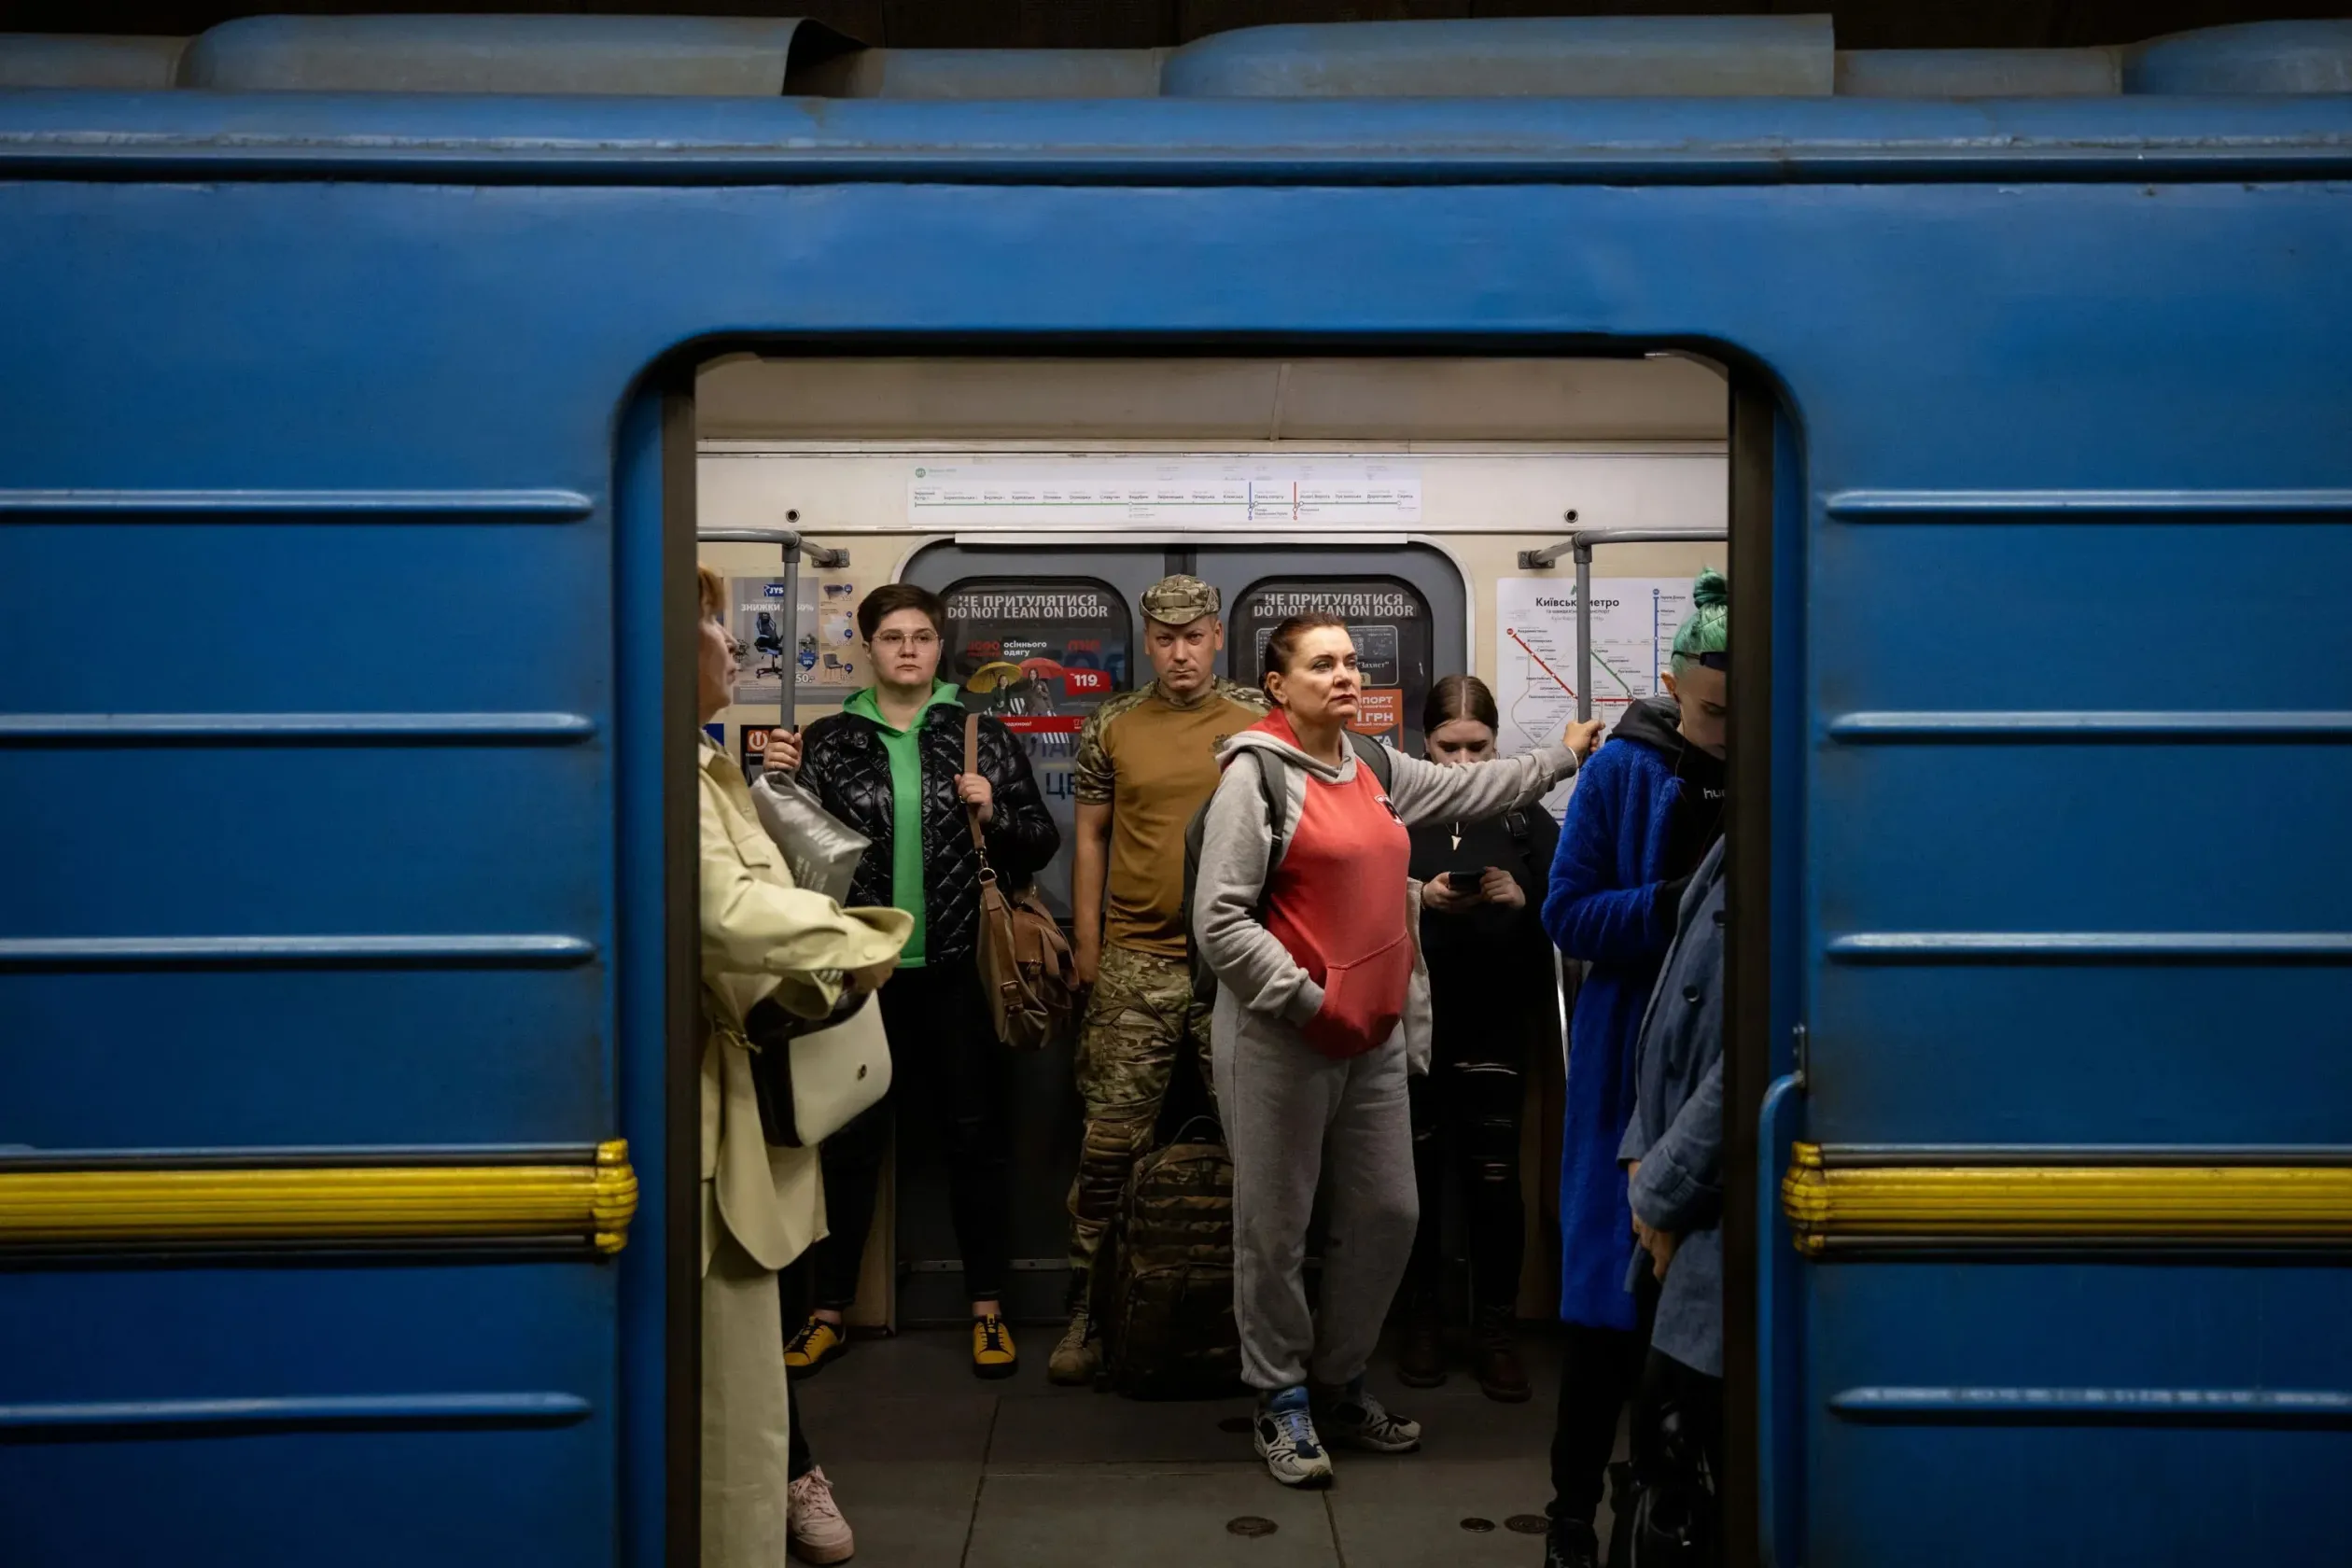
column 1040, row 653
column 1390, row 621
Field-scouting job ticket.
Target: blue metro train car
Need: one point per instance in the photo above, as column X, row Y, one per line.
column 348, row 510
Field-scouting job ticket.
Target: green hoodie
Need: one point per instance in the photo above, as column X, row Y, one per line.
column 904, row 752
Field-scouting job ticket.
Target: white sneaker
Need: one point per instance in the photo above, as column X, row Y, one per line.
column 1358, row 1420
column 820, row 1533
column 1286, row 1440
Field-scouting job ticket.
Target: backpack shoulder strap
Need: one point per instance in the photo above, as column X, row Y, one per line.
column 1274, row 790
column 1372, row 754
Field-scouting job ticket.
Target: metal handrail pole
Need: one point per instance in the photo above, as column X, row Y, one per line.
column 1584, row 630
column 1580, row 544
column 793, row 546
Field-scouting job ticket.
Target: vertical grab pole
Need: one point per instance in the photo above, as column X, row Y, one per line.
column 1584, row 631
column 789, row 636
column 790, row 541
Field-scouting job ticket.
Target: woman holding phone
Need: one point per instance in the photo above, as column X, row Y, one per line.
column 1490, row 979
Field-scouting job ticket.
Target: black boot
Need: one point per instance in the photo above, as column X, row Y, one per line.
column 1501, row 1377
column 1421, row 1361
column 1571, row 1544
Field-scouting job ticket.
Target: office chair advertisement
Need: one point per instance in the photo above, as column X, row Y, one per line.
column 827, row 656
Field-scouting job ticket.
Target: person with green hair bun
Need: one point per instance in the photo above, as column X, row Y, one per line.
column 1704, row 644
column 1646, row 808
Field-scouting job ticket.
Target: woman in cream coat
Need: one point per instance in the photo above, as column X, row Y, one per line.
column 762, row 1205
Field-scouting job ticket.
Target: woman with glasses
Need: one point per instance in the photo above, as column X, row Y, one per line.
column 890, row 766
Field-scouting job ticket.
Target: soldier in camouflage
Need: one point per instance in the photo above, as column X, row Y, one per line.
column 1146, row 761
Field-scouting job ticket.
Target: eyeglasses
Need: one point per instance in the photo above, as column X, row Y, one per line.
column 907, row 639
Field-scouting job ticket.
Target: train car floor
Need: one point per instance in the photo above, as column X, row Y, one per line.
column 936, row 1469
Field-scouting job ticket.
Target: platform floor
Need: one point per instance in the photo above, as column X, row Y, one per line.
column 937, row 1469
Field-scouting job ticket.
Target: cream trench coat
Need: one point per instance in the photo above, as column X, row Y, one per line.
column 762, row 1206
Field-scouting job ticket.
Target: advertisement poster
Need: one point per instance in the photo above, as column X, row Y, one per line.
column 1634, row 620
column 1040, row 656
column 1389, row 623
column 826, row 653
column 832, row 657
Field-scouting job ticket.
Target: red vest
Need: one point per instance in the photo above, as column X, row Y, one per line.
column 1336, row 902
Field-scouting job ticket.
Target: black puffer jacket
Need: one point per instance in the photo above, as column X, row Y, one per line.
column 844, row 761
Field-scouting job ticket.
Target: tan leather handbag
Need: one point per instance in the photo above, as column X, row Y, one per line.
column 1025, row 962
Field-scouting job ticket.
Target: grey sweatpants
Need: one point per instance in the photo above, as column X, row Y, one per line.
column 1295, row 1119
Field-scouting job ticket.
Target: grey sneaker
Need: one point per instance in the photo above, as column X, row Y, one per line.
column 1286, row 1440
column 1357, row 1421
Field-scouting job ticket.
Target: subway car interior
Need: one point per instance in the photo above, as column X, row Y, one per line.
column 377, row 386
column 1401, row 492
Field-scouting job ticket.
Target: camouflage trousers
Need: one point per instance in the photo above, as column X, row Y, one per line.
column 1138, row 1020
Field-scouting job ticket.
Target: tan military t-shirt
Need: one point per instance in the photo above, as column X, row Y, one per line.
column 1153, row 763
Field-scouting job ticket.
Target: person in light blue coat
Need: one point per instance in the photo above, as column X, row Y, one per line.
column 1673, row 1153
column 1646, row 808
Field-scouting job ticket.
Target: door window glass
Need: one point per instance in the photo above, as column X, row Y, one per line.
column 1041, row 654
column 1389, row 620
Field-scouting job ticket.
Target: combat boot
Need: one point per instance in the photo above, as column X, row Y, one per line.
column 1078, row 1356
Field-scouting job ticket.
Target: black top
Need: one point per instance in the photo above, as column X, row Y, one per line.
column 1520, row 842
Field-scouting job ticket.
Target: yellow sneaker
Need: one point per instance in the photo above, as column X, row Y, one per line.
column 992, row 1352
column 817, row 1343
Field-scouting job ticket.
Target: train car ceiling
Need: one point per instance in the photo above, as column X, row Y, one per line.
column 1686, row 57
column 1662, row 397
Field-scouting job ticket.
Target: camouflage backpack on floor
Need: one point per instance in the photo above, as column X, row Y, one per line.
column 1163, row 1284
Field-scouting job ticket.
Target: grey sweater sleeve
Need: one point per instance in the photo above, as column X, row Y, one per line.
column 1249, row 961
column 1679, row 1188
column 1636, row 1142
column 1420, row 791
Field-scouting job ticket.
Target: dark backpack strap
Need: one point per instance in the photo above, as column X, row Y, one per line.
column 1522, row 833
column 1206, row 1122
column 1274, row 789
column 1374, row 755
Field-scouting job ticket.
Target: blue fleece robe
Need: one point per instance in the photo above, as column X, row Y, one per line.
column 1601, row 908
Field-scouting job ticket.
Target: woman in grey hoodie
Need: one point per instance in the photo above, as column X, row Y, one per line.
column 1308, row 923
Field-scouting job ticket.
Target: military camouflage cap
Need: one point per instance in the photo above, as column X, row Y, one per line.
column 1180, row 600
